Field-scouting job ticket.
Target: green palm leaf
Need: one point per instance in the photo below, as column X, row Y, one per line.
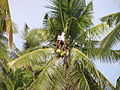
column 104, row 55
column 95, row 33
column 78, row 78
column 84, row 20
column 42, row 80
column 32, row 58
column 112, row 19
column 112, row 38
column 86, row 64
column 38, row 36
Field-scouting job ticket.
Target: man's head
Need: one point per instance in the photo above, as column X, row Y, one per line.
column 59, row 32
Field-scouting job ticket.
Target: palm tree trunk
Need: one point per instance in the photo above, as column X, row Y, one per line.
column 66, row 66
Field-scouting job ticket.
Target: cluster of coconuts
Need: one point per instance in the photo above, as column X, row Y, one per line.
column 60, row 52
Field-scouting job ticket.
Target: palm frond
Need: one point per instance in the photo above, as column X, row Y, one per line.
column 57, row 10
column 104, row 55
column 79, row 79
column 112, row 19
column 108, row 55
column 84, row 20
column 38, row 36
column 3, row 51
column 112, row 38
column 36, row 57
column 42, row 80
column 51, row 24
column 81, row 22
column 86, row 64
column 59, row 79
column 33, row 49
column 95, row 33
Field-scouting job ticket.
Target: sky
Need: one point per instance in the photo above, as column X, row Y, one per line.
column 33, row 11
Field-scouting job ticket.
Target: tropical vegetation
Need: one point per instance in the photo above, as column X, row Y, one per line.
column 44, row 66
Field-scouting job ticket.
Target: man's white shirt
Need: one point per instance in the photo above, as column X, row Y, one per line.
column 61, row 37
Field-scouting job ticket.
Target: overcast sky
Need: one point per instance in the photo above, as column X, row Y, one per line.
column 33, row 11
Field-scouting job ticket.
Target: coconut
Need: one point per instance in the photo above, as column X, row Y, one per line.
column 58, row 51
column 63, row 53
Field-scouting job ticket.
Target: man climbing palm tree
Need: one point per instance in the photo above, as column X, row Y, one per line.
column 60, row 39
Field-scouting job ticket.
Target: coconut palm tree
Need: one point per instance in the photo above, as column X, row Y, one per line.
column 5, row 20
column 71, row 69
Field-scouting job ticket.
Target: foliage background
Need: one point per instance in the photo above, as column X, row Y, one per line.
column 33, row 11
